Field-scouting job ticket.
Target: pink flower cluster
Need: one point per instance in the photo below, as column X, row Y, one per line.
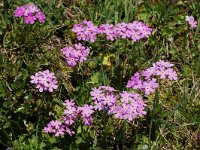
column 74, row 54
column 87, row 31
column 103, row 97
column 57, row 128
column 109, row 31
column 71, row 114
column 44, row 81
column 191, row 21
column 125, row 105
column 131, row 106
column 30, row 13
column 146, row 80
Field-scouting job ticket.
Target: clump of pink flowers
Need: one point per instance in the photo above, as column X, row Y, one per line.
column 103, row 98
column 191, row 21
column 72, row 113
column 125, row 105
column 74, row 54
column 109, row 31
column 130, row 106
column 87, row 31
column 133, row 31
column 146, row 80
column 30, row 13
column 55, row 127
column 59, row 128
column 85, row 112
column 45, row 81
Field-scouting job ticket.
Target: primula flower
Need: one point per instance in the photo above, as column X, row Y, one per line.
column 72, row 113
column 97, row 94
column 74, row 54
column 68, row 103
column 134, row 31
column 125, row 105
column 30, row 19
column 71, row 61
column 88, row 120
column 149, row 86
column 19, row 11
column 87, row 31
column 85, row 113
column 54, row 127
column 30, row 13
column 59, row 128
column 130, row 107
column 172, row 75
column 52, row 85
column 103, row 97
column 41, row 17
column 148, row 73
column 109, row 30
column 107, row 88
column 146, row 82
column 161, row 72
column 110, row 100
column 32, row 8
column 86, row 110
column 35, row 78
column 191, row 21
column 135, row 82
column 44, row 81
column 125, row 97
column 162, row 63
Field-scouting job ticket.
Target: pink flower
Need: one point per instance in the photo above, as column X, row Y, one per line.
column 161, row 72
column 44, row 81
column 147, row 81
column 52, row 85
column 32, row 8
column 193, row 24
column 74, row 54
column 34, row 79
column 30, row 13
column 30, row 19
column 85, row 31
column 191, row 21
column 172, row 75
column 41, row 17
column 19, row 11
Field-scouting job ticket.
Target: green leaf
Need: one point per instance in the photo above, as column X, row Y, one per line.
column 187, row 70
column 95, row 78
column 6, row 125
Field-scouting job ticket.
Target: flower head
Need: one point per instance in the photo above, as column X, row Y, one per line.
column 30, row 13
column 85, row 31
column 41, row 17
column 191, row 21
column 19, row 11
column 146, row 80
column 74, row 54
column 30, row 19
column 44, row 81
